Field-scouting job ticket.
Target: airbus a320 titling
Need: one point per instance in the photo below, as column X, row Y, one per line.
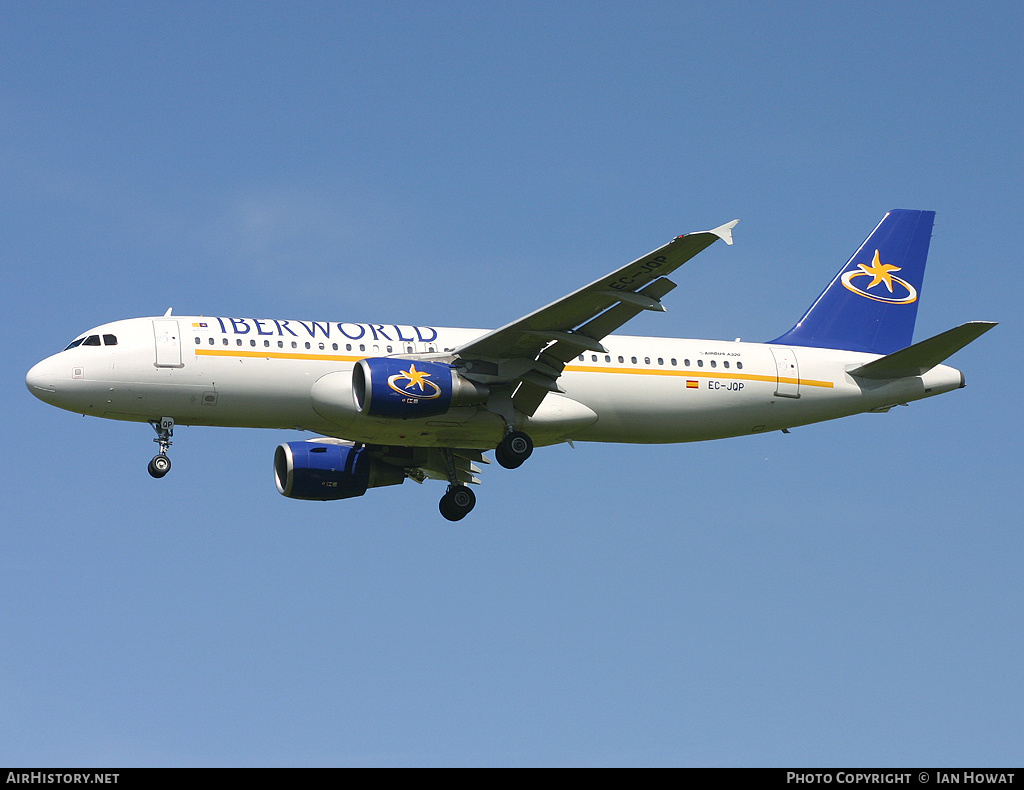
column 390, row 402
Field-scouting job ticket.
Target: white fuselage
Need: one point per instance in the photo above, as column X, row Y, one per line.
column 261, row 374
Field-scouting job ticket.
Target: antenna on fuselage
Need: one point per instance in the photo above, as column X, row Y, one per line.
column 169, row 310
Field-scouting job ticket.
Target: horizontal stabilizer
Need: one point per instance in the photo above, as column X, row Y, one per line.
column 921, row 357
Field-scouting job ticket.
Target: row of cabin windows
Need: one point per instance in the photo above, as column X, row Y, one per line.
column 661, row 361
column 110, row 340
column 294, row 344
column 94, row 340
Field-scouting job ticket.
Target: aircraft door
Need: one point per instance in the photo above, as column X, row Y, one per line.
column 788, row 373
column 168, row 343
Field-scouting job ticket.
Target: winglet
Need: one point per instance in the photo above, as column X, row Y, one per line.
column 724, row 232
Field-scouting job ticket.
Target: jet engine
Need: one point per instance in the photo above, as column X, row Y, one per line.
column 385, row 387
column 324, row 471
column 393, row 388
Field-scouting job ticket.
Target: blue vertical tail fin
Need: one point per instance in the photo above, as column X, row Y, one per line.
column 871, row 305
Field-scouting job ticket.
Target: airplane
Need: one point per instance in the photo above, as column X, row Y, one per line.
column 390, row 402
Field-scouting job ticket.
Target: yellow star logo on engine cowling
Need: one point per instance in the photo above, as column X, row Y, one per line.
column 880, row 272
column 419, row 378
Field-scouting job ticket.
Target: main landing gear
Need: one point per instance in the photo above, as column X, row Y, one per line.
column 161, row 464
column 459, row 499
column 457, row 502
column 513, row 450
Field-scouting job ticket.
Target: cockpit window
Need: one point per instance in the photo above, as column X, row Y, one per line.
column 93, row 340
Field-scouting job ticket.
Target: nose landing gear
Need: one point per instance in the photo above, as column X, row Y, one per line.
column 161, row 464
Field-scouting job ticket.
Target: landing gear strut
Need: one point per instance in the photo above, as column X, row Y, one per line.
column 457, row 502
column 515, row 448
column 161, row 464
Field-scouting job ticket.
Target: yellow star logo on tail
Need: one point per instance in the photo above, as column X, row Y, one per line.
column 880, row 272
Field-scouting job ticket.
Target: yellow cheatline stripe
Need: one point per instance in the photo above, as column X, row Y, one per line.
column 216, row 352
column 700, row 374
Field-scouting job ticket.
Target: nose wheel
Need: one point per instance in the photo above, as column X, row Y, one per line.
column 513, row 450
column 161, row 464
column 457, row 502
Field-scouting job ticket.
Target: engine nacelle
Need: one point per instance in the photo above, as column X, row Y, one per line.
column 406, row 388
column 325, row 471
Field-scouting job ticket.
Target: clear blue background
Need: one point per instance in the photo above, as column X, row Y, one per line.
column 847, row 594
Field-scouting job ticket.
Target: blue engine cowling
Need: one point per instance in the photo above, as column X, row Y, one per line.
column 325, row 471
column 404, row 388
column 393, row 388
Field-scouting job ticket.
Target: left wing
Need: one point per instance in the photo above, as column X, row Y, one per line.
column 534, row 349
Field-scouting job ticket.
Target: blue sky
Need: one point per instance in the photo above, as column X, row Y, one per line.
column 847, row 594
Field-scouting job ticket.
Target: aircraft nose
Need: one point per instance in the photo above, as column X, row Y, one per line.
column 41, row 380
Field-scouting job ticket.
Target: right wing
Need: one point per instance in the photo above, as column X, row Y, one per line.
column 532, row 351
